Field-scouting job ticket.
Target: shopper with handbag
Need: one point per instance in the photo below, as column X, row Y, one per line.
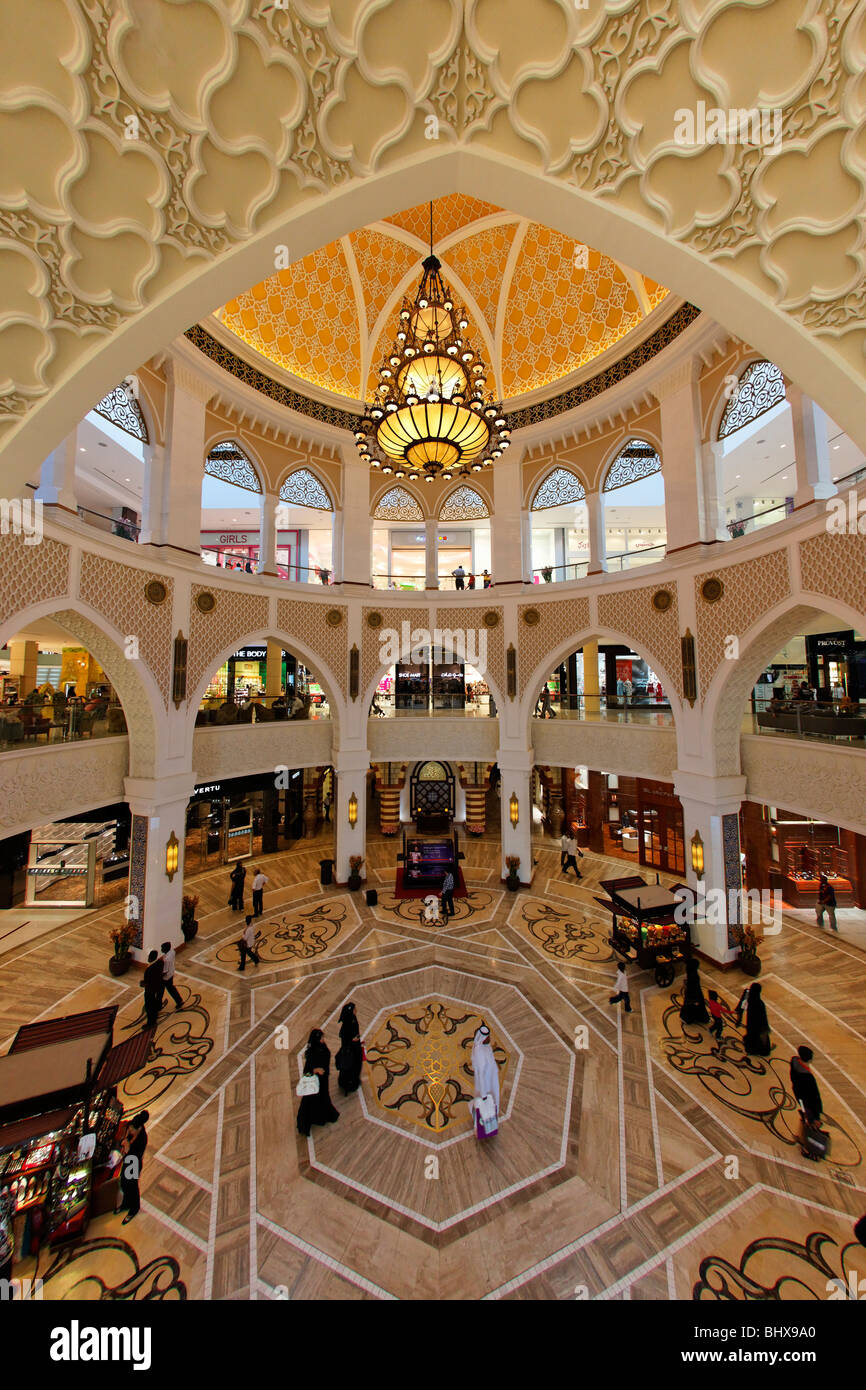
column 315, row 1107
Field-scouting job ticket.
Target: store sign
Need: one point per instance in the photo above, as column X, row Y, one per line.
column 833, row 642
column 208, row 789
column 251, row 654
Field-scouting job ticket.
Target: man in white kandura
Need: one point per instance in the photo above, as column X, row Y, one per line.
column 486, row 1084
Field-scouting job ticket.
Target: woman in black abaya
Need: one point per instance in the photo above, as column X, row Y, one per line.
column 757, row 1039
column 317, row 1109
column 350, row 1058
column 694, row 1009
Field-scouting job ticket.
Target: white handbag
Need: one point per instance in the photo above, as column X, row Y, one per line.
column 308, row 1086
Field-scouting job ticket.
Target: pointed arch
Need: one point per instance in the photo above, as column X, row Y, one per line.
column 557, row 488
column 121, row 409
column 464, row 503
column 303, row 488
column 398, row 503
column 760, row 387
column 636, row 458
column 231, row 462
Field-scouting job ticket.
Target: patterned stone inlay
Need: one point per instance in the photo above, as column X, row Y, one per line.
column 420, row 1063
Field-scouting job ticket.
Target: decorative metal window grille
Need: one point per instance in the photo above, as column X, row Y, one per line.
column 398, row 505
column 302, row 489
column 122, row 409
column 229, row 462
column 636, row 460
column 759, row 388
column 432, row 772
column 464, row 504
column 559, row 487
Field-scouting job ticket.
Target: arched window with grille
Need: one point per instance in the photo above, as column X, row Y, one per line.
column 758, row 389
column 560, row 528
column 633, row 499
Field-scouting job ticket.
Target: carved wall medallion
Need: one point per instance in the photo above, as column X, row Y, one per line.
column 531, row 617
column 491, row 618
column 155, row 591
column 206, row 602
column 662, row 600
column 374, row 619
column 333, row 617
column 712, row 590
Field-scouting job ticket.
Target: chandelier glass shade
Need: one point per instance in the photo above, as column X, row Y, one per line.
column 431, row 413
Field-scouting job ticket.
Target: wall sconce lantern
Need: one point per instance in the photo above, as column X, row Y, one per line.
column 514, row 808
column 353, row 810
column 172, row 850
column 697, row 845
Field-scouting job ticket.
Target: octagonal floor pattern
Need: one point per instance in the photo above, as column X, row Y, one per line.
column 635, row 1157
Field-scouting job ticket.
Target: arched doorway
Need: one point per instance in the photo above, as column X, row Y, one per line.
column 431, row 792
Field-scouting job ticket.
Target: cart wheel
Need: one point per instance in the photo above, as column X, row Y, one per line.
column 664, row 975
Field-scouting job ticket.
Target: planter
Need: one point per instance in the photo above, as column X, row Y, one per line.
column 189, row 929
column 512, row 884
column 118, row 965
column 750, row 965
column 354, row 883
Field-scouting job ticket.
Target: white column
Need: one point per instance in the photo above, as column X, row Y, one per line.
column 57, row 476
column 151, row 501
column 516, row 767
column 350, row 769
column 711, row 805
column 597, row 542
column 811, row 450
column 158, row 807
column 268, row 533
column 354, row 566
column 679, row 402
column 507, row 525
column 712, row 454
column 431, row 552
column 173, row 512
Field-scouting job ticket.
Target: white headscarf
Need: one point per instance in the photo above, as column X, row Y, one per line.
column 486, row 1072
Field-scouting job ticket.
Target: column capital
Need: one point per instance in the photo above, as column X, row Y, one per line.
column 349, row 760
column 515, row 759
column 184, row 377
column 721, row 795
column 684, row 374
column 146, row 794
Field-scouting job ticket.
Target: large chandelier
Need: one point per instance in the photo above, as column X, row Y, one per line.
column 431, row 414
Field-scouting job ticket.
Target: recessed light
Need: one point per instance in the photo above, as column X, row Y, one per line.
column 81, row 449
column 739, row 475
column 783, row 446
column 837, row 446
column 784, row 477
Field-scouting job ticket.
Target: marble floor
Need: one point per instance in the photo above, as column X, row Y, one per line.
column 634, row 1159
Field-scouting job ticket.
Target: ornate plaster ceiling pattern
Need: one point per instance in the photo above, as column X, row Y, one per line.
column 244, row 112
column 542, row 315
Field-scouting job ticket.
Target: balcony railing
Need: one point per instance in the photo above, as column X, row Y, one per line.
column 744, row 525
column 244, row 564
column 118, row 526
column 261, row 709
column 807, row 719
column 33, row 725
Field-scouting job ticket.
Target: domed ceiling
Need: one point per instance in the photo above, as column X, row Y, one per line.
column 540, row 305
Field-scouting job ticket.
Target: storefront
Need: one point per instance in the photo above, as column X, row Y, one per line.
column 240, row 817
column 77, row 863
column 61, row 1124
column 837, row 665
column 785, row 852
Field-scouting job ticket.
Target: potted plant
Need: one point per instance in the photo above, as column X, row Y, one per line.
column 547, row 573
column 121, row 937
column 188, row 920
column 749, row 960
column 355, row 862
column 512, row 882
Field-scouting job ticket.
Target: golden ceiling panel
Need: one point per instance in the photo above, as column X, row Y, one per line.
column 655, row 293
column 382, row 262
column 305, row 319
column 480, row 260
column 559, row 314
column 450, row 214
